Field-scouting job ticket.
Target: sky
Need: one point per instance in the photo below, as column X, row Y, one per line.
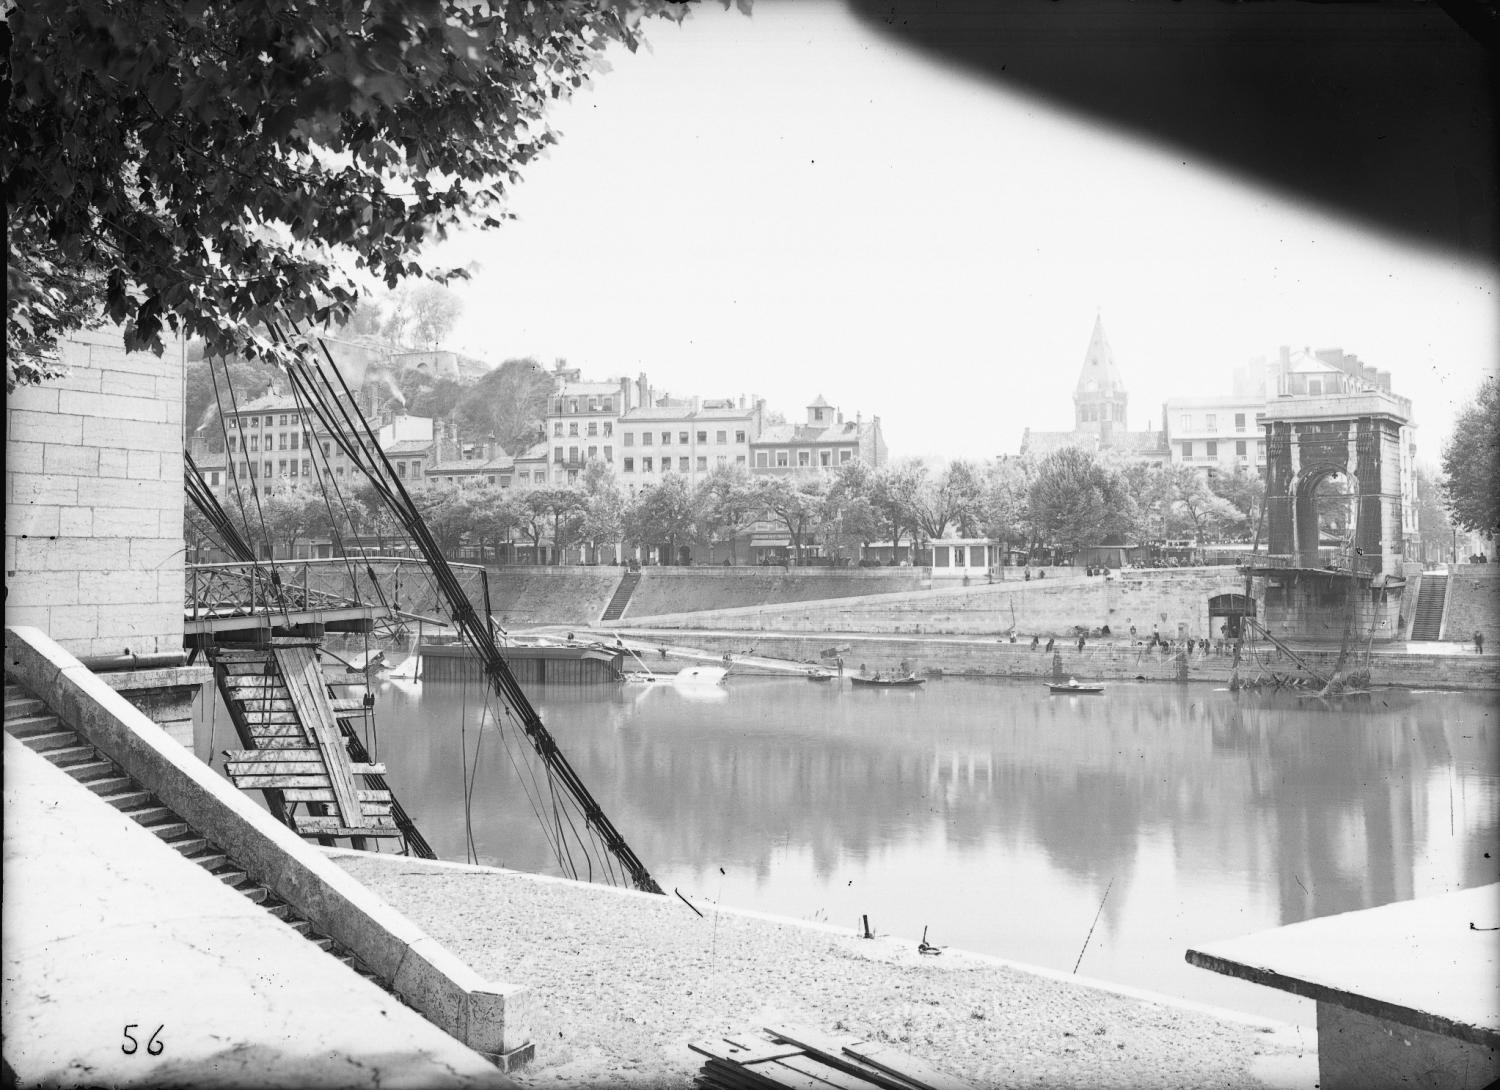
column 789, row 205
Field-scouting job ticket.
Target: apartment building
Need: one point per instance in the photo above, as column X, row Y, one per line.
column 824, row 441
column 1215, row 433
column 687, row 436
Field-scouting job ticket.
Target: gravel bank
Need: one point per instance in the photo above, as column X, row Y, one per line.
column 625, row 980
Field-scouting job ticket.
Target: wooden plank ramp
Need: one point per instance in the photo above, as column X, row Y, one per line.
column 796, row 1058
column 295, row 748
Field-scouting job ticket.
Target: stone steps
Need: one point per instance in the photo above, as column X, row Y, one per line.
column 28, row 720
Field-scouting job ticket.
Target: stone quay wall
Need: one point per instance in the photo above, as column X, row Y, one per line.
column 1174, row 602
column 93, row 500
column 668, row 590
column 1473, row 604
column 1119, row 660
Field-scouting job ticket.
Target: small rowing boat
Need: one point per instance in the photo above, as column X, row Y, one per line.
column 1073, row 687
column 883, row 682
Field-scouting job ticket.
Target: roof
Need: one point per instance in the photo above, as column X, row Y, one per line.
column 498, row 463
column 588, row 389
column 847, row 432
column 1099, row 373
column 409, row 446
column 819, row 403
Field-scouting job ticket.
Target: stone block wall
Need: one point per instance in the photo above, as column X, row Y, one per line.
column 1174, row 601
column 93, row 500
column 1474, row 605
column 689, row 589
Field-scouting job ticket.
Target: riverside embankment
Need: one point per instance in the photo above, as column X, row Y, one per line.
column 624, row 981
column 1450, row 666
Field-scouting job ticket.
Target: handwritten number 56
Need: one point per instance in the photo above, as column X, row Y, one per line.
column 153, row 1046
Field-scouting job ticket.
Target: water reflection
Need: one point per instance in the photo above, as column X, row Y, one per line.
column 993, row 813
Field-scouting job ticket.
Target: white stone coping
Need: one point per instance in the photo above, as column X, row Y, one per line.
column 1430, row 963
column 490, row 1017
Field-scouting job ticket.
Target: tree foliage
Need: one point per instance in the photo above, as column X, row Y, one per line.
column 1471, row 464
column 211, row 166
column 1076, row 500
column 508, row 403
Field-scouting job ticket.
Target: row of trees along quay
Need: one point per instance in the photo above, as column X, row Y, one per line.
column 1068, row 499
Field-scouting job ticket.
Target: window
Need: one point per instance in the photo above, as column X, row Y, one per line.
column 557, row 428
column 739, row 437
column 629, row 464
column 327, row 450
column 627, row 438
column 269, row 420
column 721, row 437
column 573, row 430
column 255, row 442
column 845, row 456
column 1185, row 422
column 1315, row 386
column 645, row 465
column 1239, row 421
column 762, row 460
column 234, row 423
column 281, row 441
column 682, row 437
column 1213, row 449
column 572, row 454
column 1187, row 450
column 280, row 467
column 283, row 420
column 721, row 460
column 254, row 471
column 401, row 469
column 231, row 444
column 490, row 479
column 646, row 438
column 593, row 404
column 593, row 453
column 1239, row 448
column 293, row 470
column 609, row 428
column 702, row 463
column 609, row 454
column 783, row 458
column 804, row 458
column 295, row 440
column 557, row 454
column 1211, row 422
column 266, row 469
column 306, row 469
column 703, row 437
column 817, row 414
column 572, row 405
column 682, row 465
column 213, row 478
column 825, row 457
column 593, row 427
column 338, row 471
column 739, row 459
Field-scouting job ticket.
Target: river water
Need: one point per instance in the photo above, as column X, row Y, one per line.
column 992, row 814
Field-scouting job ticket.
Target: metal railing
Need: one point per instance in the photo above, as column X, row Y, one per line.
column 401, row 587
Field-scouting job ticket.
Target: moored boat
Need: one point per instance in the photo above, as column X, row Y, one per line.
column 881, row 681
column 1073, row 687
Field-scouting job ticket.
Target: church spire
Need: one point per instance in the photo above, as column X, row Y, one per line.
column 1098, row 373
column 1099, row 399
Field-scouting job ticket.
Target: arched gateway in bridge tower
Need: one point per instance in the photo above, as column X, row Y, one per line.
column 1349, row 442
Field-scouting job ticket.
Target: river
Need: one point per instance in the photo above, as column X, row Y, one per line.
column 991, row 814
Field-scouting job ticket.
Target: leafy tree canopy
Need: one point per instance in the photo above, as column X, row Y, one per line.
column 210, row 166
column 1471, row 464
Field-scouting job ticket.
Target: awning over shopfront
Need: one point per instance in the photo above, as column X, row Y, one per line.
column 770, row 541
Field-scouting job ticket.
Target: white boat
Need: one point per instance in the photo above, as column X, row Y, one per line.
column 700, row 675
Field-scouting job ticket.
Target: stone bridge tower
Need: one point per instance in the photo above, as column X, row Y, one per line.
column 1310, row 439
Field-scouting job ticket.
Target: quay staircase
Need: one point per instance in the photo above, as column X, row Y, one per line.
column 31, row 722
column 616, row 608
column 1427, row 624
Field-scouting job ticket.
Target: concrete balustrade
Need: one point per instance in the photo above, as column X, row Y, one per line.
column 490, row 1017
